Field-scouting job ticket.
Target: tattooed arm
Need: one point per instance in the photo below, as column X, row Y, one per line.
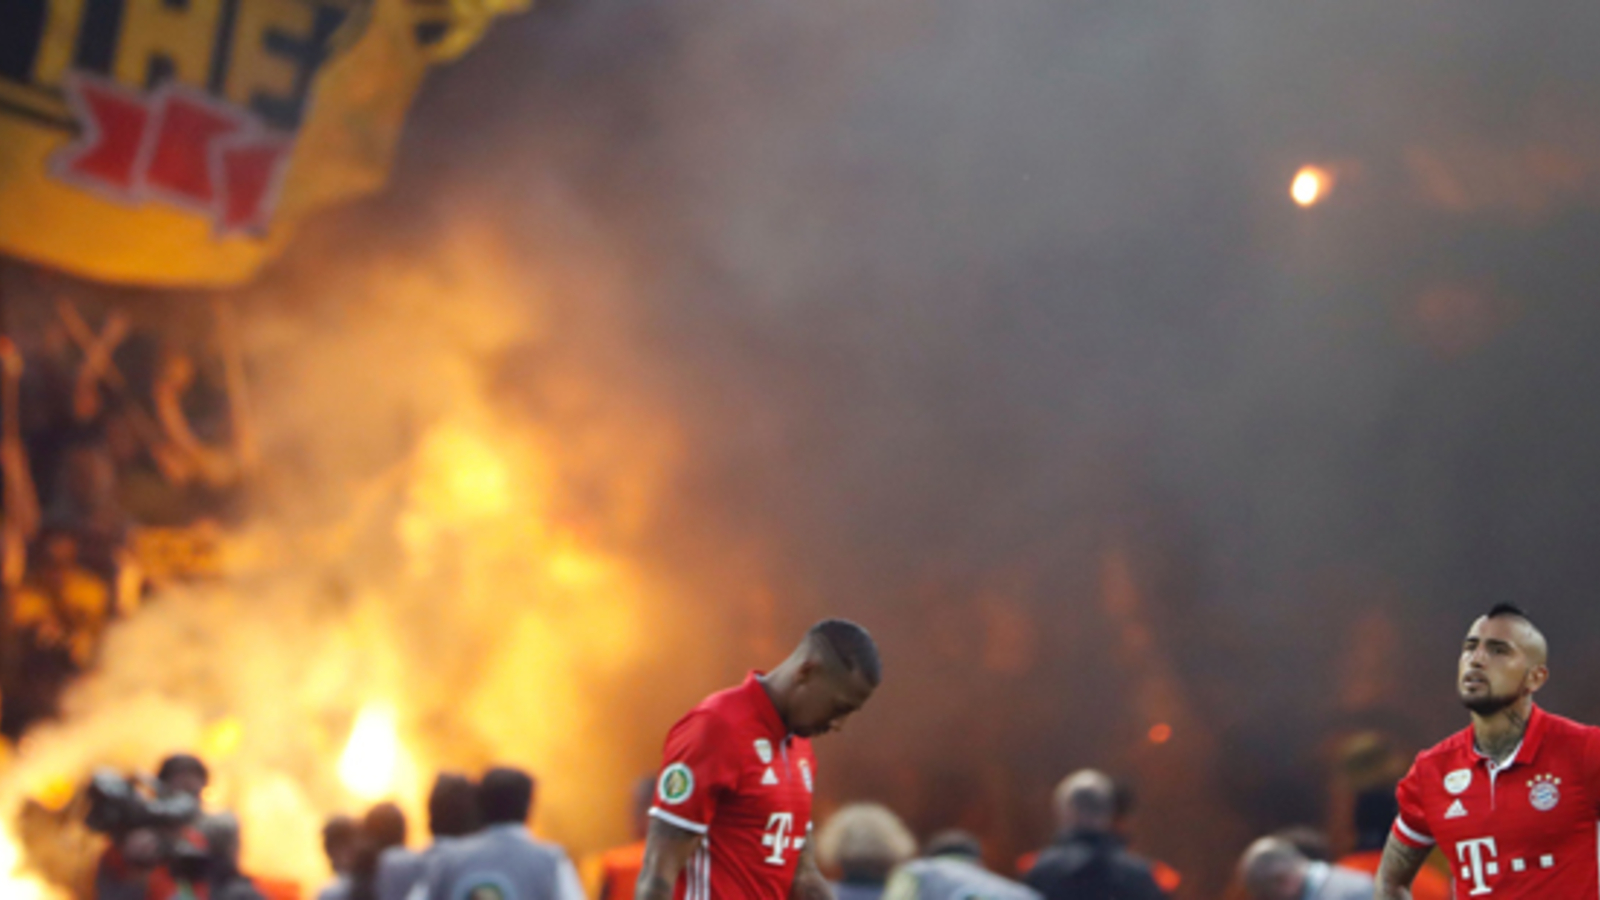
column 1401, row 863
column 666, row 851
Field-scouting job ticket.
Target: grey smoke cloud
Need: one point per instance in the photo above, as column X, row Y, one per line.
column 955, row 301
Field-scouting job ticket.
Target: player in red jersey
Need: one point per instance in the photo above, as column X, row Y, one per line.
column 732, row 811
column 1512, row 801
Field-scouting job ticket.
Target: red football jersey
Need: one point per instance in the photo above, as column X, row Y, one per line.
column 1527, row 829
column 732, row 772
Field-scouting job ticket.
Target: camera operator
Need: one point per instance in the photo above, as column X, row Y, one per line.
column 156, row 851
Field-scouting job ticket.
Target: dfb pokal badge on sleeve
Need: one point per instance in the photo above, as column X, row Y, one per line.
column 676, row 784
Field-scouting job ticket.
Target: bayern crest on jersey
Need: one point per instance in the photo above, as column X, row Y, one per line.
column 1543, row 793
column 1458, row 781
column 805, row 774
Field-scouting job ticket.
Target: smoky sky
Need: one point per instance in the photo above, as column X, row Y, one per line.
column 957, row 300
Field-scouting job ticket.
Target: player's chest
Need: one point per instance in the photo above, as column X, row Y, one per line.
column 772, row 776
column 1523, row 819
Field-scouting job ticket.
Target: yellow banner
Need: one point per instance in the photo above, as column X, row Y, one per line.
column 177, row 142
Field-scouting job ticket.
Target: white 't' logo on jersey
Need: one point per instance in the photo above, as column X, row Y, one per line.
column 1477, row 858
column 777, row 837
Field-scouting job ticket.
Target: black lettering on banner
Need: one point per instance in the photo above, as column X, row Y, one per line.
column 21, row 30
column 308, row 54
column 157, row 70
column 222, row 47
column 97, row 42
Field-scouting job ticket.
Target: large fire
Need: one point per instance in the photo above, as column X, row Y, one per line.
column 440, row 580
column 374, row 763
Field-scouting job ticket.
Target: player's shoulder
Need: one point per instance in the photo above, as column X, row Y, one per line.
column 1445, row 754
column 721, row 713
column 1560, row 731
column 1561, row 725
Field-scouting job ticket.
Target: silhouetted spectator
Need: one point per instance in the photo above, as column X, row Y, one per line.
column 341, row 837
column 452, row 813
column 1311, row 842
column 86, row 506
column 57, row 618
column 952, row 869
column 1274, row 869
column 863, row 842
column 224, row 880
column 383, row 827
column 503, row 859
column 1087, row 861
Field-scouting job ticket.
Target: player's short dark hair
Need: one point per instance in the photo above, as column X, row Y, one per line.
column 1507, row 610
column 453, row 806
column 182, row 764
column 505, row 796
column 852, row 645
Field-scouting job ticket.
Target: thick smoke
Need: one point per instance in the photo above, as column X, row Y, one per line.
column 992, row 326
column 980, row 316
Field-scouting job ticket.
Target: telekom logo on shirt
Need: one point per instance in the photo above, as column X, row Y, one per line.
column 779, row 826
column 1477, row 858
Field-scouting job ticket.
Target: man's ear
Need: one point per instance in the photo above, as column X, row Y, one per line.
column 1537, row 678
column 808, row 669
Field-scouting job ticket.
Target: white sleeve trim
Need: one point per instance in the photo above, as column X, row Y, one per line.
column 657, row 812
column 1414, row 835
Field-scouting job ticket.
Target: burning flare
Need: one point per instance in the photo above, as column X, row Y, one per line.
column 1310, row 185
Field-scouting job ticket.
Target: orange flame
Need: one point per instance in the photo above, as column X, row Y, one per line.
column 374, row 760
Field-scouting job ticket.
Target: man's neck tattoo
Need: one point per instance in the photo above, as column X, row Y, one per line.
column 1500, row 745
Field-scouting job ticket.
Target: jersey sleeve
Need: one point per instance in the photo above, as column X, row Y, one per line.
column 696, row 771
column 1411, row 825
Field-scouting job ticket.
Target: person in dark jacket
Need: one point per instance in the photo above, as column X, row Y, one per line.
column 224, row 880
column 1088, row 861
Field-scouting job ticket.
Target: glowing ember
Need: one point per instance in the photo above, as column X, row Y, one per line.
column 1160, row 733
column 371, row 765
column 1310, row 185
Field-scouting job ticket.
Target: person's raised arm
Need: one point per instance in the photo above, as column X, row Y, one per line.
column 666, row 851
column 1400, row 865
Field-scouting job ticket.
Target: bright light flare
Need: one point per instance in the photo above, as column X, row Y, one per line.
column 370, row 767
column 1160, row 733
column 1310, row 185
column 13, row 884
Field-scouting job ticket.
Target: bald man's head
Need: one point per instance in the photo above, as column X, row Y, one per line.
column 1504, row 660
column 1086, row 800
column 1528, row 634
column 1272, row 869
